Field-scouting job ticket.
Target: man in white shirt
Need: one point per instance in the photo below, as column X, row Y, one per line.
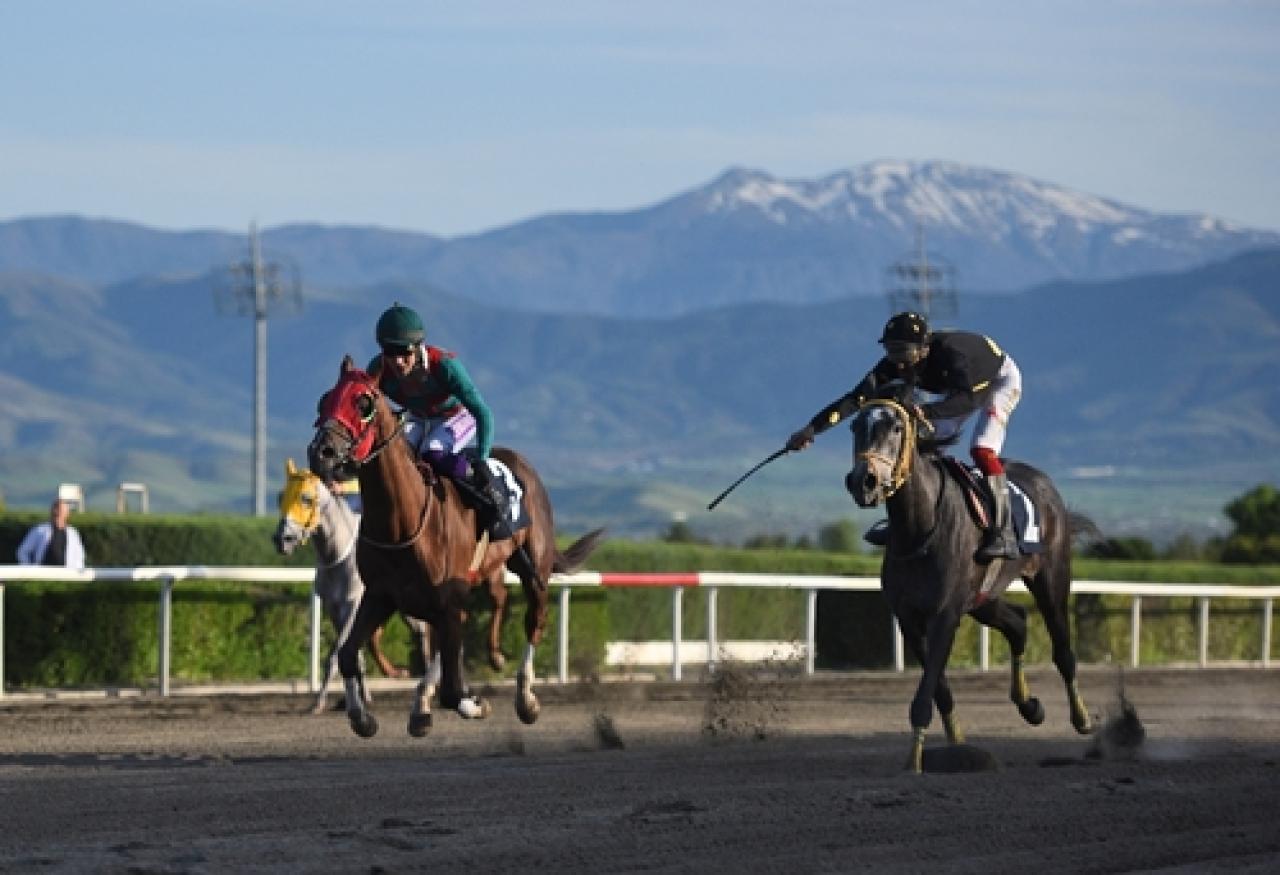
column 54, row 542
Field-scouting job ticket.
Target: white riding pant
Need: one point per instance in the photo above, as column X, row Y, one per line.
column 993, row 418
column 442, row 434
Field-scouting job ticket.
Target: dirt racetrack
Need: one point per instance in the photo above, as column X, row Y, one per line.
column 750, row 773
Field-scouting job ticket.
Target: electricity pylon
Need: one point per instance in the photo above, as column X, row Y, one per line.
column 258, row 288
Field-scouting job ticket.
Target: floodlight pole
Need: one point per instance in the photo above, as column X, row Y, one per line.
column 259, row 375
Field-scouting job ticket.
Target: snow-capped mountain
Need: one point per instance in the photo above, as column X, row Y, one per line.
column 745, row 236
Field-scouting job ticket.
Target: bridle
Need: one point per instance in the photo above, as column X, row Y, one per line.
column 309, row 522
column 358, row 437
column 899, row 468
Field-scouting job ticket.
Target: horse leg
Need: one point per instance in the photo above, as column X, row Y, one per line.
column 385, row 665
column 498, row 591
column 372, row 613
column 1011, row 621
column 341, row 615
column 420, row 717
column 939, row 636
column 1053, row 607
column 535, row 619
column 453, row 691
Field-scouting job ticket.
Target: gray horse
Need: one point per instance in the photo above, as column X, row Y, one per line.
column 308, row 509
column 929, row 575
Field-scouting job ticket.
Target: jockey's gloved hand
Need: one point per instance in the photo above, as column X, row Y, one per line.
column 800, row 439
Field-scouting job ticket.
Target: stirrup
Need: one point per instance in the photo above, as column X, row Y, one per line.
column 999, row 545
column 878, row 534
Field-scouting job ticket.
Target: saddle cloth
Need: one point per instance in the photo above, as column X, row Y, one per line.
column 513, row 501
column 1026, row 516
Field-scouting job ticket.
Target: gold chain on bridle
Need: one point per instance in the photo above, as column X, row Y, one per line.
column 901, row 466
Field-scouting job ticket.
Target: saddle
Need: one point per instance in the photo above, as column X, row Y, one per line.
column 1026, row 517
column 510, row 491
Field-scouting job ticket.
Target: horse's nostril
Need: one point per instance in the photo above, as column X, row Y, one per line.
column 869, row 482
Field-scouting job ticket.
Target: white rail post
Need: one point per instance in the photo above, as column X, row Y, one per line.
column 1266, row 635
column 712, row 596
column 166, row 614
column 899, row 658
column 810, row 630
column 1203, row 632
column 313, row 683
column 1135, row 630
column 562, row 646
column 1, row 640
column 677, row 618
column 984, row 648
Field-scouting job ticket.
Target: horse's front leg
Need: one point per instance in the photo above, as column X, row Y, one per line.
column 940, row 636
column 372, row 613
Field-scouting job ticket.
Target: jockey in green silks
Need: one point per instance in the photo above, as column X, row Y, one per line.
column 448, row 423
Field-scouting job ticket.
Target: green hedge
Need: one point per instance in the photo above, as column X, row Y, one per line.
column 68, row 634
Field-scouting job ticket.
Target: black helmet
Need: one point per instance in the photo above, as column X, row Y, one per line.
column 400, row 326
column 906, row 328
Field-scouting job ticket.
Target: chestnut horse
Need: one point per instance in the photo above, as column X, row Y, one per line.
column 418, row 551
column 929, row 575
column 310, row 511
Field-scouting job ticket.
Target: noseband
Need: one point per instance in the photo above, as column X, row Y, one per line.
column 900, row 468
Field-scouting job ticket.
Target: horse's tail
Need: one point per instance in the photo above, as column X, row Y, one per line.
column 1083, row 528
column 575, row 554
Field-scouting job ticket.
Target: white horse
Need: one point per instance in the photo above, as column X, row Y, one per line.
column 308, row 509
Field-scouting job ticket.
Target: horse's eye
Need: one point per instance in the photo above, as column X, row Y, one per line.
column 306, row 500
column 365, row 407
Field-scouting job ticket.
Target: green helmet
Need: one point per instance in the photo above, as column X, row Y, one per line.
column 400, row 326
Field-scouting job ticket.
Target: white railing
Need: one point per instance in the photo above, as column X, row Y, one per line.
column 168, row 576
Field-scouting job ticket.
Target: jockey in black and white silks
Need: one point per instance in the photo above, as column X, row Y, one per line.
column 967, row 374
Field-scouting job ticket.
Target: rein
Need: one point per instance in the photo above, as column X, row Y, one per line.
column 900, row 467
column 399, row 545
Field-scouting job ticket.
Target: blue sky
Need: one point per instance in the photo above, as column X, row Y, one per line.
column 452, row 118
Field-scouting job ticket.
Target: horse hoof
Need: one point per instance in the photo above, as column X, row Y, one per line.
column 364, row 725
column 1032, row 711
column 527, row 709
column 474, row 708
column 419, row 725
column 1083, row 724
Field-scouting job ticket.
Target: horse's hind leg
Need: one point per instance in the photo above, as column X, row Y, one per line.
column 1051, row 588
column 535, row 618
column 1011, row 621
column 498, row 591
column 453, row 691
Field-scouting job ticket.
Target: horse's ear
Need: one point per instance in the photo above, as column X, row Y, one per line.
column 348, row 364
column 289, row 468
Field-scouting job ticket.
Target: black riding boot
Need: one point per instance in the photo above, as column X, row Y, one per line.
column 878, row 534
column 488, row 501
column 999, row 540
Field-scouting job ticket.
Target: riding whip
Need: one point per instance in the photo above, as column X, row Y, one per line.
column 719, row 498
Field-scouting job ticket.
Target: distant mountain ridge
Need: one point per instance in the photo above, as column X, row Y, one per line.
column 1163, row 379
column 744, row 237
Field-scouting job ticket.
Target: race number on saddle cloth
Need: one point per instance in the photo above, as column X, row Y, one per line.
column 1025, row 516
column 511, row 505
